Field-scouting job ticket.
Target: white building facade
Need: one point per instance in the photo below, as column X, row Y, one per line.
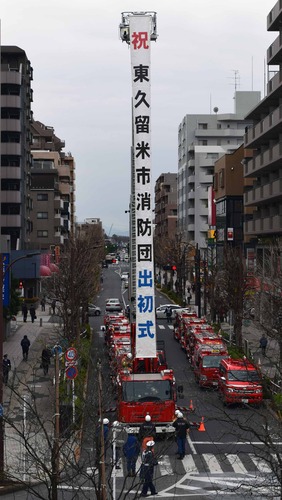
column 202, row 139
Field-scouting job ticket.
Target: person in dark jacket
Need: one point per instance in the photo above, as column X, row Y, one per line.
column 46, row 359
column 131, row 449
column 25, row 343
column 6, row 368
column 263, row 344
column 182, row 427
column 147, row 470
column 147, row 428
column 24, row 311
column 32, row 313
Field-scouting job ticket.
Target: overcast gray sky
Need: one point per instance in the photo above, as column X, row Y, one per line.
column 82, row 81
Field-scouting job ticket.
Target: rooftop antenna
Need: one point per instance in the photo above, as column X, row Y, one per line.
column 236, row 80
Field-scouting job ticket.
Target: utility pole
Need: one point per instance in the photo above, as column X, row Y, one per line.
column 102, row 465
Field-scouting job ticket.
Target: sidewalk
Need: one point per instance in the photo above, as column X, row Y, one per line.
column 30, row 388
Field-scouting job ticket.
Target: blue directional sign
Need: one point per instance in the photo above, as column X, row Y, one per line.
column 6, row 279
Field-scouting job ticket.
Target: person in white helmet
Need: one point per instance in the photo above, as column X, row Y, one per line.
column 105, row 424
column 147, row 469
column 147, row 429
column 182, row 427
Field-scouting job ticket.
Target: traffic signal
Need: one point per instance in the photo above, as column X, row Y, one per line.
column 212, row 234
column 173, row 268
column 20, row 285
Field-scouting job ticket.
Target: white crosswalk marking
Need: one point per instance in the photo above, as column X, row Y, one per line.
column 161, row 327
column 165, row 468
column 189, row 464
column 260, row 463
column 212, row 462
column 237, row 464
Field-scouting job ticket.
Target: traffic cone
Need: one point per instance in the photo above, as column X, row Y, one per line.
column 259, row 363
column 191, row 407
column 202, row 426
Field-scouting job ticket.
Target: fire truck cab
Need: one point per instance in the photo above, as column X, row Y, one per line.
column 140, row 394
column 206, row 360
column 239, row 382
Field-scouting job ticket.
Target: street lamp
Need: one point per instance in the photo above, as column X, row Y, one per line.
column 2, row 276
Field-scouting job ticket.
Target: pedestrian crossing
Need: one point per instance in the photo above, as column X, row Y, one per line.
column 207, row 463
column 164, row 326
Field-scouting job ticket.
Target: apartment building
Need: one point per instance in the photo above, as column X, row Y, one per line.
column 52, row 189
column 265, row 138
column 203, row 139
column 16, row 115
column 166, row 205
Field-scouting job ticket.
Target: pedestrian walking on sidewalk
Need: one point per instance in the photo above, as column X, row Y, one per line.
column 182, row 427
column 24, row 311
column 53, row 305
column 6, row 368
column 32, row 313
column 46, row 359
column 43, row 302
column 263, row 344
column 168, row 312
column 25, row 343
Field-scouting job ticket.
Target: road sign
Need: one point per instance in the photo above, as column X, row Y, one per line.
column 57, row 348
column 71, row 372
column 71, row 363
column 71, row 354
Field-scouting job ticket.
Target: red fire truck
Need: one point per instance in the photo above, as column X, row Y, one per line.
column 239, row 381
column 206, row 359
column 140, row 394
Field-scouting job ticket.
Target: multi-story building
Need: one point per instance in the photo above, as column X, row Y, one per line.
column 52, row 189
column 16, row 115
column 265, row 138
column 229, row 186
column 203, row 139
column 91, row 225
column 166, row 205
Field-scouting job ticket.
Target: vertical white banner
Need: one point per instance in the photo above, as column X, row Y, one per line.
column 140, row 47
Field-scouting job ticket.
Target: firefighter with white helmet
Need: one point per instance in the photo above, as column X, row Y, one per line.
column 118, row 437
column 147, row 429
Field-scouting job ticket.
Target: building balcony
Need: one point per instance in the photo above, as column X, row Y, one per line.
column 11, row 148
column 274, row 52
column 64, row 188
column 13, row 125
column 64, row 171
column 265, row 225
column 191, row 179
column 58, row 203
column 58, row 238
column 274, row 17
column 191, row 195
column 259, row 195
column 265, row 161
column 191, row 227
column 8, row 76
column 58, row 220
column 11, row 220
column 11, row 197
column 10, row 101
column 205, row 179
column 11, row 172
column 268, row 128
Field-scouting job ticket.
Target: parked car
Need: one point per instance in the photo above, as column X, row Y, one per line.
column 161, row 310
column 93, row 310
column 113, row 305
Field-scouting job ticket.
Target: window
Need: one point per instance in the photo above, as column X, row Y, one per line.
column 221, row 178
column 42, row 197
column 203, row 126
column 42, row 234
column 42, row 215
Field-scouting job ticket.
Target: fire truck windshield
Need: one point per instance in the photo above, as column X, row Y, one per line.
column 212, row 361
column 147, row 391
column 244, row 376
